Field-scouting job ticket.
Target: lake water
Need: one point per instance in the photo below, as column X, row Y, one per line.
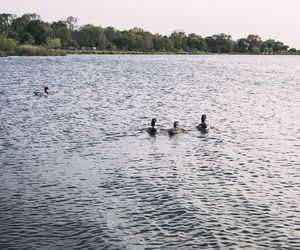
column 79, row 171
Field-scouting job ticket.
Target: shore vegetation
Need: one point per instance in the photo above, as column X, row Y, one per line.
column 29, row 35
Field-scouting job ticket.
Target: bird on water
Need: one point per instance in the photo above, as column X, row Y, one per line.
column 203, row 127
column 42, row 93
column 153, row 130
column 176, row 129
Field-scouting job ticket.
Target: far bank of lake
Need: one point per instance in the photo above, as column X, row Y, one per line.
column 42, row 51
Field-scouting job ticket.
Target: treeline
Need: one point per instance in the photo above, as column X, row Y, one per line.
column 30, row 35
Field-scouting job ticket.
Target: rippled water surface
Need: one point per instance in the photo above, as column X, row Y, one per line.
column 79, row 171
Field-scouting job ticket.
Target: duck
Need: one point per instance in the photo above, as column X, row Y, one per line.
column 203, row 127
column 176, row 129
column 42, row 93
column 153, row 130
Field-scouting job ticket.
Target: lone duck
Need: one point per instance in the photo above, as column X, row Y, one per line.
column 203, row 127
column 42, row 93
column 153, row 130
column 176, row 129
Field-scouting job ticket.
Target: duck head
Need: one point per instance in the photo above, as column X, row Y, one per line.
column 46, row 90
column 176, row 124
column 203, row 118
column 153, row 121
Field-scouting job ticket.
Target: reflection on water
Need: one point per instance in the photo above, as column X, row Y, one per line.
column 79, row 171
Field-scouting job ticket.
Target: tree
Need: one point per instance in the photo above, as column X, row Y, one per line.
column 254, row 44
column 267, row 47
column 102, row 41
column 195, row 42
column 137, row 30
column 177, row 38
column 220, row 43
column 168, row 44
column 32, row 16
column 61, row 31
column 88, row 35
column 30, row 29
column 280, row 48
column 147, row 41
column 110, row 34
column 71, row 23
column 19, row 24
column 292, row 51
column 158, row 43
column 5, row 22
column 53, row 43
column 162, row 43
column 39, row 30
column 7, row 44
column 26, row 38
column 242, row 45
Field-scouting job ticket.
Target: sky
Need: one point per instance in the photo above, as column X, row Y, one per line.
column 276, row 19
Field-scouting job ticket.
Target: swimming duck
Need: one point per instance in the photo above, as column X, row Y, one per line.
column 42, row 93
column 153, row 130
column 176, row 129
column 203, row 127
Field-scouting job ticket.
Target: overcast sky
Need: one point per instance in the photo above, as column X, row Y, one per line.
column 277, row 19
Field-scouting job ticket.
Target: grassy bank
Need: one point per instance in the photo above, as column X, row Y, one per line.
column 129, row 52
column 29, row 50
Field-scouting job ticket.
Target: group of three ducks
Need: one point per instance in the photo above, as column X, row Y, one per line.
column 202, row 127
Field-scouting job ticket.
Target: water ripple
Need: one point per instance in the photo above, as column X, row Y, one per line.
column 79, row 171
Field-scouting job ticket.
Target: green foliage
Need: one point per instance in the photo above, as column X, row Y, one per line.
column 178, row 39
column 18, row 25
column 61, row 31
column 102, row 41
column 71, row 23
column 88, row 35
column 30, row 29
column 195, row 43
column 242, row 46
column 53, row 43
column 267, row 47
column 7, row 44
column 39, row 30
column 280, row 48
column 292, row 51
column 254, row 44
column 5, row 22
column 220, row 43
column 147, row 41
column 26, row 38
column 162, row 44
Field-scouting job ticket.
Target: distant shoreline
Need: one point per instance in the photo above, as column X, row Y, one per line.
column 40, row 51
column 29, row 35
column 107, row 52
